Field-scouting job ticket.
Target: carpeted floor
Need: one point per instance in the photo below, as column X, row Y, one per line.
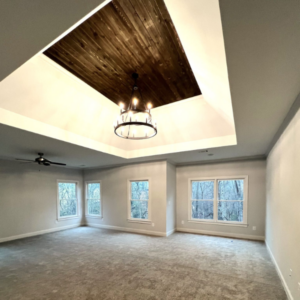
column 88, row 263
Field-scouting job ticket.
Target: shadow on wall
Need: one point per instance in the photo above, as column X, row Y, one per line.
column 289, row 117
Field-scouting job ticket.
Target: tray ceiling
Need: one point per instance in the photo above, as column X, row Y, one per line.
column 129, row 36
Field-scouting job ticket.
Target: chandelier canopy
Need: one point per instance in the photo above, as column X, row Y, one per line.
column 135, row 121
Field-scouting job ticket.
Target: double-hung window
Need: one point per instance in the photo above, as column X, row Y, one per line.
column 67, row 200
column 202, row 206
column 93, row 199
column 218, row 200
column 139, row 200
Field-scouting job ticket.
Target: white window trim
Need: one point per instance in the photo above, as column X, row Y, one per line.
column 58, row 217
column 86, row 200
column 215, row 221
column 135, row 220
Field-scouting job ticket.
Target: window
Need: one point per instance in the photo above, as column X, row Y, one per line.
column 93, row 199
column 67, row 200
column 231, row 200
column 203, row 200
column 218, row 200
column 139, row 200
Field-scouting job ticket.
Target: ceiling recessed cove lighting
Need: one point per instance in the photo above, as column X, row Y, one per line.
column 135, row 121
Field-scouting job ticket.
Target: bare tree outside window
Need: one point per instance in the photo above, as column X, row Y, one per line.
column 203, row 200
column 139, row 199
column 231, row 200
column 67, row 195
column 93, row 199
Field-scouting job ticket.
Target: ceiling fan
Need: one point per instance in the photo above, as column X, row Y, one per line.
column 42, row 161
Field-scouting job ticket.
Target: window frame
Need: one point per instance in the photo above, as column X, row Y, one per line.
column 86, row 200
column 59, row 218
column 136, row 220
column 215, row 220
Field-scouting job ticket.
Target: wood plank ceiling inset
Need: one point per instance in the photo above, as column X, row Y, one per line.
column 129, row 36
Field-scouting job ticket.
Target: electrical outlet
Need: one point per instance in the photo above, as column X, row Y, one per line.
column 254, row 227
column 152, row 224
column 291, row 273
column 182, row 222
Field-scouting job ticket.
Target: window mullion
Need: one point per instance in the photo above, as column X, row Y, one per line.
column 215, row 201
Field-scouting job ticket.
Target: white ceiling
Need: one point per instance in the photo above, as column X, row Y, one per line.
column 44, row 98
column 262, row 51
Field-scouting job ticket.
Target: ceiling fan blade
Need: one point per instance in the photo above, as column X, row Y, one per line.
column 25, row 160
column 46, row 164
column 56, row 163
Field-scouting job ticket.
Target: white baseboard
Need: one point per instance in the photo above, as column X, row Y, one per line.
column 132, row 230
column 25, row 235
column 225, row 234
column 170, row 232
column 286, row 288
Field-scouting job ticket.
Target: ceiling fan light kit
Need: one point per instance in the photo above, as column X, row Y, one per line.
column 135, row 122
column 41, row 160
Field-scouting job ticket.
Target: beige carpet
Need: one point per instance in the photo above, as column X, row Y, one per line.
column 88, row 263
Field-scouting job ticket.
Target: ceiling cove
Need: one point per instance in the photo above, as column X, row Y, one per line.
column 129, row 36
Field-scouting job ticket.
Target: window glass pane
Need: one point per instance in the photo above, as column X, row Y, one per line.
column 231, row 189
column 66, row 191
column 203, row 210
column 139, row 209
column 139, row 190
column 68, row 208
column 230, row 211
column 67, row 199
column 94, row 207
column 202, row 190
column 93, row 191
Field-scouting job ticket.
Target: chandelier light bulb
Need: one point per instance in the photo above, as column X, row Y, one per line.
column 135, row 119
column 130, row 116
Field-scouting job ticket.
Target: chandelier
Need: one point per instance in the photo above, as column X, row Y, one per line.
column 135, row 122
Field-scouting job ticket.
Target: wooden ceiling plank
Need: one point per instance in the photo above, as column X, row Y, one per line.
column 84, row 63
column 138, row 69
column 149, row 70
column 129, row 36
column 80, row 65
column 174, row 50
column 160, row 5
column 168, row 53
column 142, row 32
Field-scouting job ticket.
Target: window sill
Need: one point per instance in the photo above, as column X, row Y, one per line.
column 94, row 216
column 218, row 223
column 139, row 221
column 67, row 218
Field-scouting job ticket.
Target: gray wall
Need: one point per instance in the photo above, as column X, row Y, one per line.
column 256, row 170
column 28, row 197
column 283, row 204
column 171, row 197
column 114, row 195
